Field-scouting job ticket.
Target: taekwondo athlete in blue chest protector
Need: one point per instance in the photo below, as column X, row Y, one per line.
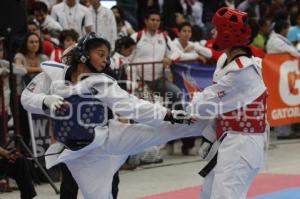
column 94, row 148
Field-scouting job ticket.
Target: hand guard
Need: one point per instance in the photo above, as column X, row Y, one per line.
column 205, row 146
column 178, row 116
column 53, row 102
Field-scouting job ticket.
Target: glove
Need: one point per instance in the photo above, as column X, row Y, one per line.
column 205, row 146
column 53, row 102
column 178, row 116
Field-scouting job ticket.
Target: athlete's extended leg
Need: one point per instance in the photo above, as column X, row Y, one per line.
column 132, row 138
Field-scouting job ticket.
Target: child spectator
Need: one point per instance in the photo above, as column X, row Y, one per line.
column 67, row 38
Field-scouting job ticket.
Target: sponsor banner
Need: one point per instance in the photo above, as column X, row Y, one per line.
column 281, row 74
column 41, row 132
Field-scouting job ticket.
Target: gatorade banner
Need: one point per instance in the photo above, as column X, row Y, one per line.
column 281, row 74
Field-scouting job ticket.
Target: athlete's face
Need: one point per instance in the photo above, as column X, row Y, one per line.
column 153, row 22
column 185, row 33
column 98, row 57
column 33, row 43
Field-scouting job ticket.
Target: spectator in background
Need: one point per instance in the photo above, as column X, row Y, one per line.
column 119, row 14
column 46, row 22
column 104, row 23
column 120, row 60
column 155, row 46
column 144, row 6
column 190, row 50
column 30, row 55
column 121, row 28
column 210, row 44
column 193, row 9
column 14, row 165
column 294, row 32
column 176, row 19
column 67, row 39
column 33, row 27
column 278, row 42
column 168, row 8
column 72, row 15
column 263, row 33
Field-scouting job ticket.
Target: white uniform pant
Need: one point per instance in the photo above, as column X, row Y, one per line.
column 94, row 170
column 240, row 157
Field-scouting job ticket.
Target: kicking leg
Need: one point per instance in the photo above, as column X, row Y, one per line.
column 133, row 138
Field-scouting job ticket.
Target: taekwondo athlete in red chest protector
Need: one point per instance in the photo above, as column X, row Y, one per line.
column 236, row 104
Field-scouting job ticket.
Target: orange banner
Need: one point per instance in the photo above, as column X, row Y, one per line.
column 281, row 73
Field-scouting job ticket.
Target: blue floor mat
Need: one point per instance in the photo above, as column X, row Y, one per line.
column 292, row 193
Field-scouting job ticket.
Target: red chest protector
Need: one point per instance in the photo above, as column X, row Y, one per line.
column 247, row 119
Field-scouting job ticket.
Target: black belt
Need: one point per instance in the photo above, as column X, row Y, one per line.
column 212, row 163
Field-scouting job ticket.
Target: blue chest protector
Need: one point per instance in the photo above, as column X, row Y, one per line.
column 75, row 127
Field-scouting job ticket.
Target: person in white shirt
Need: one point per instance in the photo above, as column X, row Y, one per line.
column 104, row 23
column 190, row 50
column 71, row 15
column 46, row 22
column 155, row 46
column 278, row 42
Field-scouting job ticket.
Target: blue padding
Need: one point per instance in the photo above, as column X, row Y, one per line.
column 292, row 193
column 82, row 115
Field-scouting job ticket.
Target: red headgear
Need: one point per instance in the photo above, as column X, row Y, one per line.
column 232, row 28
